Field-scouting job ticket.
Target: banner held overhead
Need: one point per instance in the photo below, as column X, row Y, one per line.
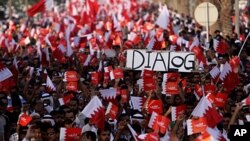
column 160, row 61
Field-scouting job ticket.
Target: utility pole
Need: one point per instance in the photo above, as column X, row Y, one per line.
column 237, row 17
column 10, row 9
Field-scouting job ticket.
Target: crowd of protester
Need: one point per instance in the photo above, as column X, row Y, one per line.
column 27, row 91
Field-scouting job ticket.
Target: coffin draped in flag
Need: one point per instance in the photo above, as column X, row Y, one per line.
column 95, row 111
column 205, row 109
column 41, row 6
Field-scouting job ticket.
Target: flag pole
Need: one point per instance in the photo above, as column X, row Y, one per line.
column 243, row 44
column 201, row 81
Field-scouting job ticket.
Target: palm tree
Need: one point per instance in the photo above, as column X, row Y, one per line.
column 182, row 6
column 225, row 9
column 226, row 13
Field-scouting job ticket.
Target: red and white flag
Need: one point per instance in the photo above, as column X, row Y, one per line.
column 170, row 88
column 41, row 6
column 71, row 76
column 220, row 46
column 87, row 60
column 201, row 60
column 137, row 102
column 124, row 95
column 106, row 77
column 246, row 101
column 158, row 123
column 208, row 88
column 173, row 38
column 49, row 85
column 112, row 110
column 155, row 106
column 149, row 137
column 116, row 74
column 177, row 111
column 134, row 38
column 205, row 109
column 170, row 83
column 108, row 69
column 163, row 20
column 95, row 78
column 152, row 44
column 220, row 99
column 171, row 77
column 95, row 111
column 227, row 75
column 70, row 134
column 214, row 72
column 59, row 53
column 72, row 86
column 5, row 73
column 147, row 73
column 65, row 99
column 196, row 125
column 211, row 97
column 227, row 69
column 235, row 64
column 149, row 83
column 14, row 68
column 211, row 134
column 24, row 119
column 108, row 94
